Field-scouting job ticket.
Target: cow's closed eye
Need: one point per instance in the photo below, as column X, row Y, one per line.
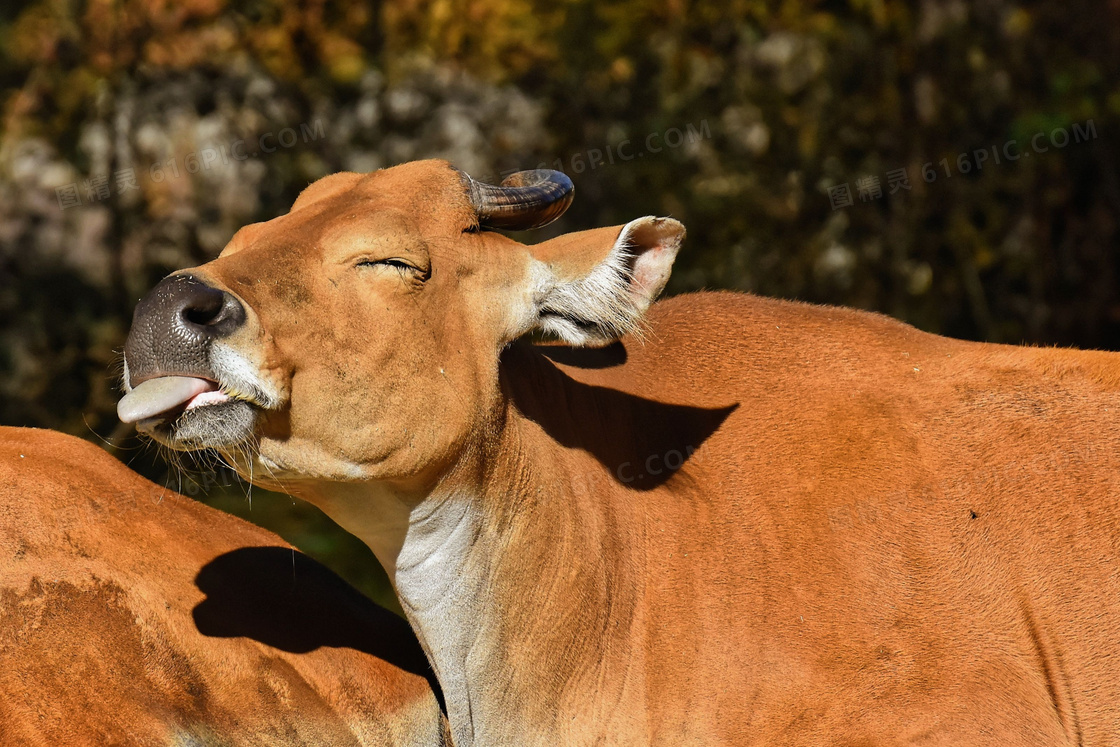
column 402, row 266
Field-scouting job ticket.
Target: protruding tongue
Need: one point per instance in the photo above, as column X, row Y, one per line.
column 156, row 396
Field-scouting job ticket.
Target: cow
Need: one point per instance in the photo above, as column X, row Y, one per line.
column 130, row 614
column 717, row 519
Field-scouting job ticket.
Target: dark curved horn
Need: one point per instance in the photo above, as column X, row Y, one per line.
column 525, row 200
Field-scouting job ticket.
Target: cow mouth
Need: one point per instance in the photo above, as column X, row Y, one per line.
column 188, row 412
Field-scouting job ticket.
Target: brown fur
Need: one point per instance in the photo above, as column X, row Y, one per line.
column 892, row 538
column 764, row 523
column 130, row 614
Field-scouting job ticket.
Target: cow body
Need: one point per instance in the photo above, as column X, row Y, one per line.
column 873, row 536
column 739, row 521
column 130, row 614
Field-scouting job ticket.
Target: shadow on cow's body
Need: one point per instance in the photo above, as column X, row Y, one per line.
column 265, row 593
column 642, row 442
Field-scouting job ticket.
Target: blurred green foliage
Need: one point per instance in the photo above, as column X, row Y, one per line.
column 741, row 118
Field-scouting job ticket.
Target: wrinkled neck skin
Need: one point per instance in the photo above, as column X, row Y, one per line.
column 531, row 625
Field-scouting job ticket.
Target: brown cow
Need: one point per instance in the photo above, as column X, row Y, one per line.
column 132, row 615
column 745, row 522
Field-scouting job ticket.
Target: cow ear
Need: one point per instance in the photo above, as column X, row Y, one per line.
column 592, row 287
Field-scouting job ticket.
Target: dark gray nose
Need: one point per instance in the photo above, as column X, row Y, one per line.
column 174, row 325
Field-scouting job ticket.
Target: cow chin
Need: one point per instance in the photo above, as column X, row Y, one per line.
column 224, row 426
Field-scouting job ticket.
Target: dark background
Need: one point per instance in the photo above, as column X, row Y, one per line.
column 739, row 118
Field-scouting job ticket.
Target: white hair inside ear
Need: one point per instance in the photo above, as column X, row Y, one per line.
column 610, row 300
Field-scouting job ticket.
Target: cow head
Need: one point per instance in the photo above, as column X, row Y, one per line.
column 358, row 336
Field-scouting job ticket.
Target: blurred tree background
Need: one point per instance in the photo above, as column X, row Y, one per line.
column 138, row 135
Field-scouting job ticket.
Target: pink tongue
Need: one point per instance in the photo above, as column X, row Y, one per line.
column 156, row 396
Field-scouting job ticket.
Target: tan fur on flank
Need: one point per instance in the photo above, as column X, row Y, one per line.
column 132, row 615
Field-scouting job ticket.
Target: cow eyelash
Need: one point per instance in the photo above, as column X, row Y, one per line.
column 400, row 264
column 405, row 269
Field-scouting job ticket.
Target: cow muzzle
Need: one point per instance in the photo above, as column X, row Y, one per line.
column 169, row 372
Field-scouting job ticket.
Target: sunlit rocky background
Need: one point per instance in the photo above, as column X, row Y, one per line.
column 138, row 135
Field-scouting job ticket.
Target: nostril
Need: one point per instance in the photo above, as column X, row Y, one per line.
column 203, row 314
column 205, row 310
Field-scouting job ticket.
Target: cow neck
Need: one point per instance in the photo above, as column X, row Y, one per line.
column 426, row 543
column 519, row 524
